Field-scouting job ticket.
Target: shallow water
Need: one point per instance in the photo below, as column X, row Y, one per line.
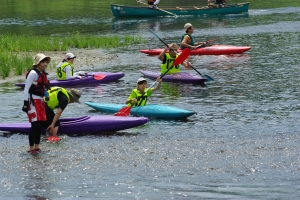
column 242, row 144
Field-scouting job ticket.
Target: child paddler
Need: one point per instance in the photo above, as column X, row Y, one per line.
column 139, row 95
column 65, row 69
column 36, row 86
column 187, row 40
column 169, row 57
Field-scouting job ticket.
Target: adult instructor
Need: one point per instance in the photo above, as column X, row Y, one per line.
column 187, row 40
column 59, row 98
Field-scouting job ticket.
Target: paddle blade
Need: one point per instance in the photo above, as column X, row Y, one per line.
column 99, row 76
column 124, row 112
column 182, row 57
column 208, row 78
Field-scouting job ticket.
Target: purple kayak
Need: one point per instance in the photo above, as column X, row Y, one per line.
column 182, row 77
column 85, row 124
column 89, row 78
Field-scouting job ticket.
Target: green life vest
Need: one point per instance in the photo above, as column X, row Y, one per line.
column 53, row 101
column 142, row 99
column 61, row 74
column 192, row 43
column 168, row 62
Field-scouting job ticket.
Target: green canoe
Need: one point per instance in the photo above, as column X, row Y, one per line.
column 143, row 11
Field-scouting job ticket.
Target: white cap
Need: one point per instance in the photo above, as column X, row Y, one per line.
column 187, row 25
column 69, row 56
column 140, row 80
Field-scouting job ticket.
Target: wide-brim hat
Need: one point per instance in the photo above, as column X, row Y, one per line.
column 173, row 46
column 76, row 94
column 187, row 26
column 39, row 57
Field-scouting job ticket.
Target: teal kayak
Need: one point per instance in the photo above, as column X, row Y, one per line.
column 152, row 110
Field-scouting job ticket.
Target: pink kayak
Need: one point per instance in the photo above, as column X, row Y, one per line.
column 211, row 50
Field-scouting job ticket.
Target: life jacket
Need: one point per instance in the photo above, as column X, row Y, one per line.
column 53, row 102
column 40, row 86
column 60, row 71
column 168, row 63
column 192, row 40
column 141, row 99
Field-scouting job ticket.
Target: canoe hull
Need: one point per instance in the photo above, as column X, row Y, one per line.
column 151, row 111
column 143, row 11
column 211, row 50
column 88, row 79
column 182, row 77
column 85, row 124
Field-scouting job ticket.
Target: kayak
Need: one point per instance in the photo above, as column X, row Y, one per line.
column 182, row 77
column 85, row 124
column 89, row 78
column 210, row 50
column 152, row 110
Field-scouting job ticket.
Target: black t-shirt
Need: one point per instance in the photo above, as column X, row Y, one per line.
column 62, row 99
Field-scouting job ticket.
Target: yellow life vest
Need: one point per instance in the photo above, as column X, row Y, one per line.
column 168, row 63
column 61, row 74
column 142, row 99
column 53, row 101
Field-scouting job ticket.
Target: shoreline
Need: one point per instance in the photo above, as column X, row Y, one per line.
column 84, row 58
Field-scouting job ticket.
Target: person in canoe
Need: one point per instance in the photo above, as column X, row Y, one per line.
column 59, row 98
column 169, row 57
column 187, row 40
column 36, row 86
column 152, row 3
column 216, row 3
column 65, row 69
column 139, row 95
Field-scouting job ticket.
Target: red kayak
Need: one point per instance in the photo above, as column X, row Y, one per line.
column 211, row 50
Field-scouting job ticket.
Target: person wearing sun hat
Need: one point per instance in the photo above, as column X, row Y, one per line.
column 59, row 98
column 139, row 95
column 152, row 3
column 35, row 89
column 65, row 69
column 187, row 40
column 167, row 56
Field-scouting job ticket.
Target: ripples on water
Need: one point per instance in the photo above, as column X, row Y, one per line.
column 242, row 144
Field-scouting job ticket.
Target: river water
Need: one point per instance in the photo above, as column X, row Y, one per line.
column 244, row 142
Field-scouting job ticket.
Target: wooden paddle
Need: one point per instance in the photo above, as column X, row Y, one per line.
column 206, row 76
column 124, row 112
column 159, row 9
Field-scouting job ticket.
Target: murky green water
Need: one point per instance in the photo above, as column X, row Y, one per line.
column 242, row 144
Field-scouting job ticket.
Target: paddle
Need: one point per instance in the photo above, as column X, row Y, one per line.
column 206, row 76
column 96, row 76
column 207, row 42
column 159, row 9
column 124, row 112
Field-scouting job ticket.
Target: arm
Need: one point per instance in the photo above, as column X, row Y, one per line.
column 158, row 85
column 200, row 43
column 132, row 98
column 68, row 73
column 32, row 76
column 162, row 54
column 187, row 65
column 56, row 117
